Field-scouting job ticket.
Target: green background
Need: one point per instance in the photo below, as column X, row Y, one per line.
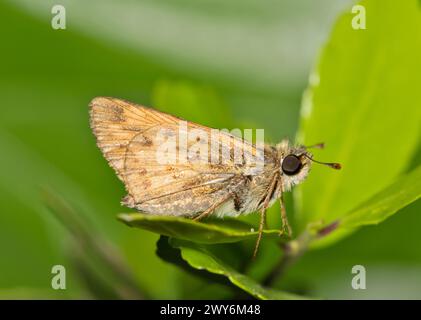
column 244, row 62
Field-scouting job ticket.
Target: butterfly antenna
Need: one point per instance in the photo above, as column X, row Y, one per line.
column 333, row 165
column 320, row 145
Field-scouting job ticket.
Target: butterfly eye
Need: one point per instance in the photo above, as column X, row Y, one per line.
column 291, row 165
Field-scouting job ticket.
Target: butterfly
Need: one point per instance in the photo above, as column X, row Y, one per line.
column 174, row 167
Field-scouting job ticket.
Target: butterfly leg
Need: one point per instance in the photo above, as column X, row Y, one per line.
column 263, row 214
column 285, row 225
column 212, row 208
column 259, row 236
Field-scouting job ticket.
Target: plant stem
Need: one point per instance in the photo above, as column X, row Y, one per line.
column 293, row 250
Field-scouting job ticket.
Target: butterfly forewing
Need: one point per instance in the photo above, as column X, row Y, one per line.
column 130, row 137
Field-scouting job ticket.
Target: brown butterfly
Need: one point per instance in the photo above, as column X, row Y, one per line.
column 173, row 167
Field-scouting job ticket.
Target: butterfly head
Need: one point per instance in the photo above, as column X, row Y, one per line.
column 295, row 163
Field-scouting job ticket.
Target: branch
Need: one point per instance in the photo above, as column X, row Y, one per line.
column 293, row 250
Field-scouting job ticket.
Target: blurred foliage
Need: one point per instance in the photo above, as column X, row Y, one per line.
column 223, row 64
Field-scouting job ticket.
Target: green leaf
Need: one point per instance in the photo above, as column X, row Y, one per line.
column 201, row 258
column 216, row 231
column 386, row 203
column 363, row 101
column 378, row 208
column 172, row 255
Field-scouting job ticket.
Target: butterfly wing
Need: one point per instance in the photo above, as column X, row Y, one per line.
column 157, row 157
